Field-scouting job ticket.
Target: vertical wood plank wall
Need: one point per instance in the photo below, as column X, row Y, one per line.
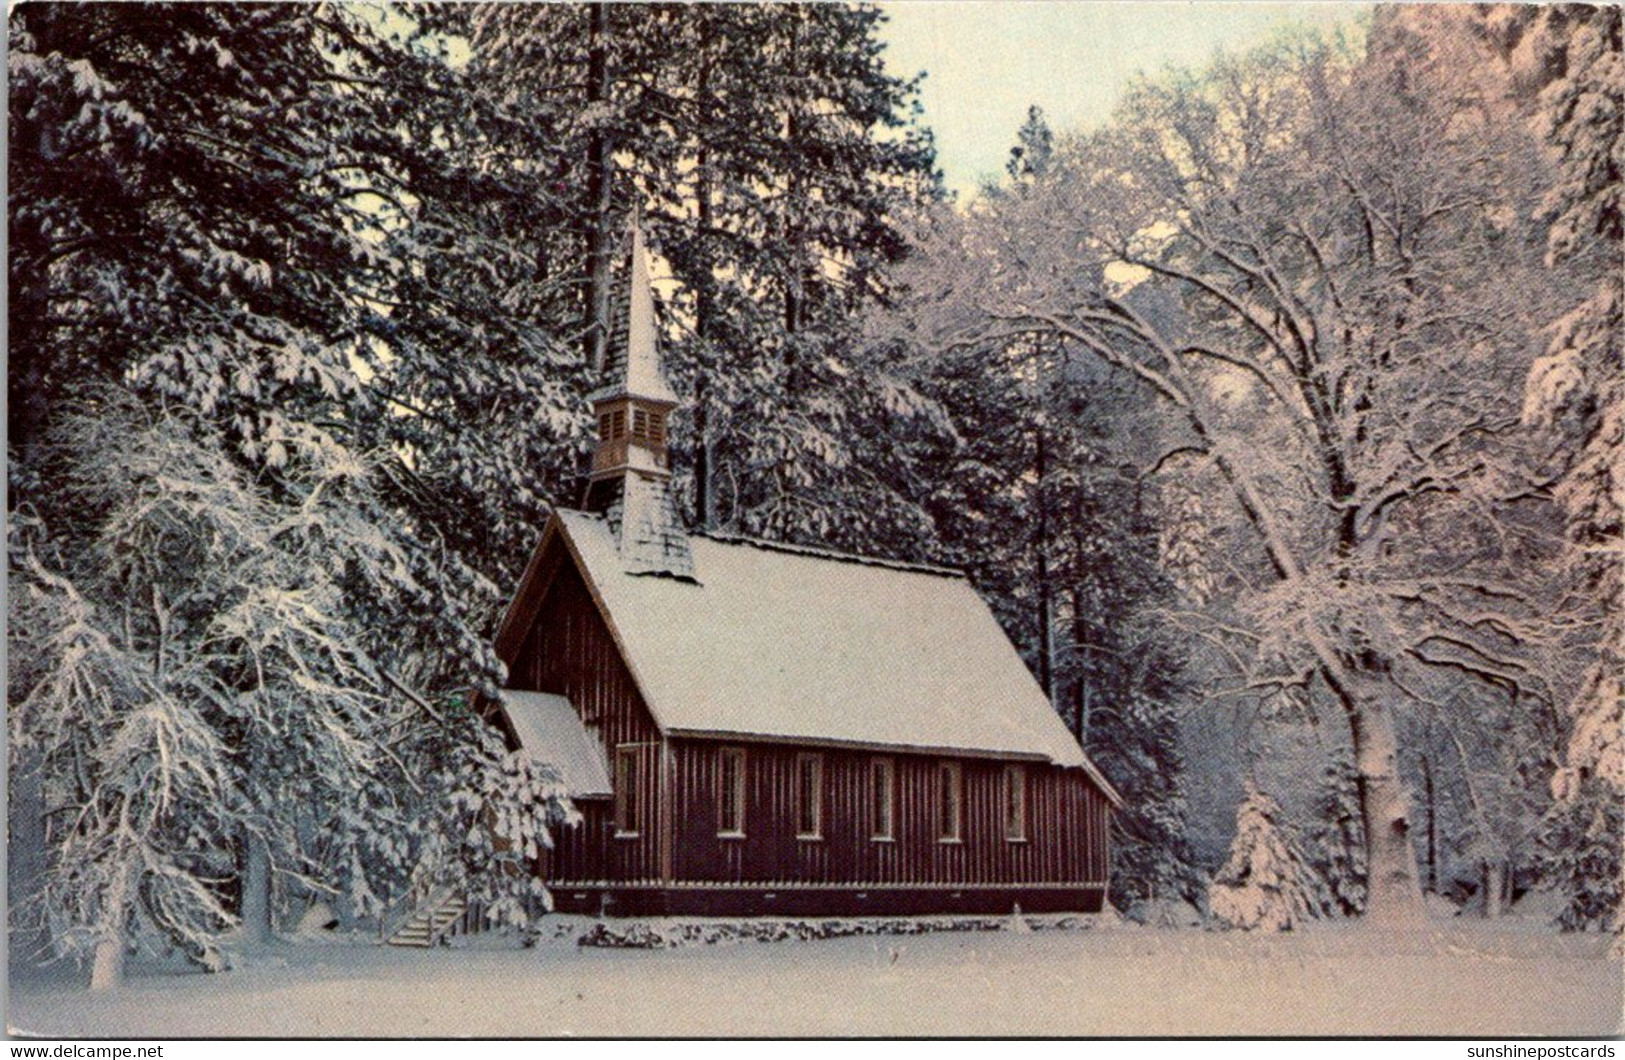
column 1066, row 823
column 569, row 652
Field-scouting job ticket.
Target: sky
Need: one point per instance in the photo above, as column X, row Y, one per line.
column 987, row 60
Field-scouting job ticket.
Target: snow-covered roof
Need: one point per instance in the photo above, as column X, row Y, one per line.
column 797, row 645
column 551, row 732
column 652, row 540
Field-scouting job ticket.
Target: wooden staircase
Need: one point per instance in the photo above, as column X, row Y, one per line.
column 429, row 920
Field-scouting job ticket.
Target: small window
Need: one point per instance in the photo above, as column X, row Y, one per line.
column 809, row 796
column 1015, row 804
column 881, row 785
column 606, row 423
column 948, row 802
column 617, row 423
column 640, row 424
column 731, row 791
column 628, row 804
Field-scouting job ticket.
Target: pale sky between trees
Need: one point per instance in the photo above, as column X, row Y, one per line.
column 987, row 61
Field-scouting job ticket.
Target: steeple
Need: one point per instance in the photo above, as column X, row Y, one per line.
column 630, row 482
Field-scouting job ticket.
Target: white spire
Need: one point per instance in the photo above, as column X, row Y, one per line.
column 634, row 368
column 630, row 483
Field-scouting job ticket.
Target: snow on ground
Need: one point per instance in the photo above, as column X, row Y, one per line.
column 1476, row 980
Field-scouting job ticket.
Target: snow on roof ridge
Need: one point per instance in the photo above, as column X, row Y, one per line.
column 727, row 538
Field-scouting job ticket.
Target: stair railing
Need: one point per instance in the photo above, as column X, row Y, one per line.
column 426, row 879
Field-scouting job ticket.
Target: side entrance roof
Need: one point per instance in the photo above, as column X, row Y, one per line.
column 551, row 732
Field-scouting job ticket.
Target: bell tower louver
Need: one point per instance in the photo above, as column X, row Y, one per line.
column 630, row 481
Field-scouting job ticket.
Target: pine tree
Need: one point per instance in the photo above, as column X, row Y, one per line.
column 769, row 190
column 1035, row 144
column 1120, row 673
column 208, row 208
column 807, row 188
column 1581, row 844
column 1567, row 61
column 1267, row 883
column 1135, row 742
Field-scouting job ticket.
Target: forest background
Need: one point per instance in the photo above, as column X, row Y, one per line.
column 1278, row 418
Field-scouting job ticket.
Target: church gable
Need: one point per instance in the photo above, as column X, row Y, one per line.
column 569, row 648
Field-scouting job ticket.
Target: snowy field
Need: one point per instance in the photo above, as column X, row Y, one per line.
column 1468, row 980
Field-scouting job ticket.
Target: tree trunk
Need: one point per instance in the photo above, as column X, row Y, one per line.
column 600, row 192
column 1046, row 665
column 1082, row 667
column 1077, row 717
column 1489, row 885
column 107, row 960
column 255, row 890
column 27, row 859
column 28, row 388
column 256, row 895
column 703, row 508
column 795, row 277
column 1394, row 895
column 1433, row 826
column 107, row 965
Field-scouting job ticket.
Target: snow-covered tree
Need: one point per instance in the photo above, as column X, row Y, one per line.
column 204, row 703
column 187, row 676
column 1134, row 738
column 1567, row 61
column 769, row 191
column 1288, row 253
column 1267, row 883
column 1336, row 843
column 496, row 812
column 219, row 489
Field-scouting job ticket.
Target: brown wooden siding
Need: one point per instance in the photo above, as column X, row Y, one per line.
column 1066, row 823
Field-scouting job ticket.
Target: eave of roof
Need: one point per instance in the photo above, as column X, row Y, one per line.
column 1088, row 767
column 550, row 730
